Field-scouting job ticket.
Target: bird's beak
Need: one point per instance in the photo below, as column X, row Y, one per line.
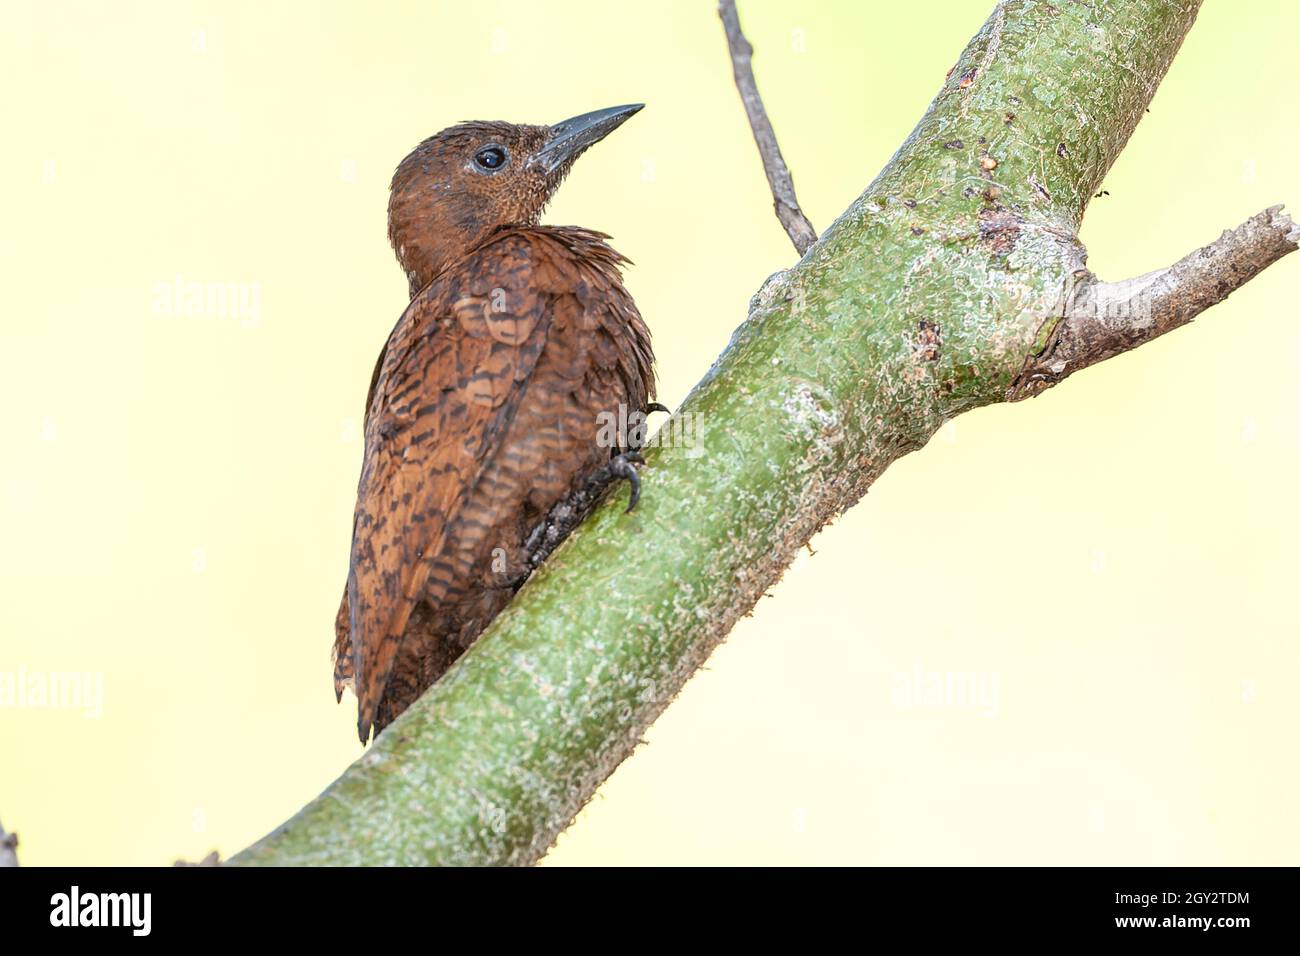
column 569, row 138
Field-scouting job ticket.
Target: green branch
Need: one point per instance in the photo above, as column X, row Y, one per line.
column 956, row 280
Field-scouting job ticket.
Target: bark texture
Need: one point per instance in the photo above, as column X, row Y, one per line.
column 956, row 280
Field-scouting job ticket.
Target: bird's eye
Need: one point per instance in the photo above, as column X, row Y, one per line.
column 491, row 158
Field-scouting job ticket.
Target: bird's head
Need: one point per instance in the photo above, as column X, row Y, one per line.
column 458, row 186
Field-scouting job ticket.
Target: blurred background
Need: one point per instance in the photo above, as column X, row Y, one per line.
column 197, row 283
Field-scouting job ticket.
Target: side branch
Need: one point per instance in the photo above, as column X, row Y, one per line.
column 796, row 224
column 1104, row 319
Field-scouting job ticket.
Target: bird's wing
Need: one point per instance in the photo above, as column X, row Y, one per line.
column 342, row 655
column 451, row 376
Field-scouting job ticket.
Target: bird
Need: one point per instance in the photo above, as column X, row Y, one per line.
column 486, row 404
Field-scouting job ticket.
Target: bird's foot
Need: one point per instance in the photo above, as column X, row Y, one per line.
column 624, row 466
column 569, row 513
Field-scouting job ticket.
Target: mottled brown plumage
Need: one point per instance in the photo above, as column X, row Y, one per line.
column 485, row 405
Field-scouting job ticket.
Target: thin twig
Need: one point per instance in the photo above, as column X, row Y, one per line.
column 1104, row 319
column 796, row 224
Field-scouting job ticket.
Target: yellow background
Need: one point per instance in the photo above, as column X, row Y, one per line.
column 1117, row 558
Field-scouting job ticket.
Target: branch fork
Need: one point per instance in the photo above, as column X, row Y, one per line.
column 1105, row 319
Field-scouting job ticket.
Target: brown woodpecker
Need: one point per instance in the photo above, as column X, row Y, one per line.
column 485, row 407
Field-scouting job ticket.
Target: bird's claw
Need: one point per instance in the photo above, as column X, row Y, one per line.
column 624, row 466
